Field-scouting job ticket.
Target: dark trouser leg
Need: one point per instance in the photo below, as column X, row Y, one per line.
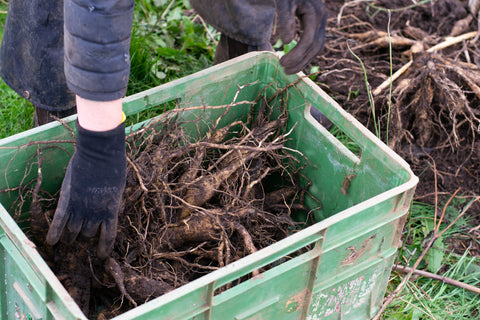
column 42, row 116
column 229, row 48
column 31, row 56
column 249, row 22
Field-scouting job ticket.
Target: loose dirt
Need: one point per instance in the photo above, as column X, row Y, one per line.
column 430, row 114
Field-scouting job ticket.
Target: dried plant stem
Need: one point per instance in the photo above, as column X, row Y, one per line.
column 139, row 177
column 450, row 41
column 210, row 35
column 437, row 277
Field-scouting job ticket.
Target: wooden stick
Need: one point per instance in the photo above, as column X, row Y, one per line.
column 437, row 277
column 449, row 41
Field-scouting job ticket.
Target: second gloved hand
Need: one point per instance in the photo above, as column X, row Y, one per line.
column 92, row 189
column 313, row 18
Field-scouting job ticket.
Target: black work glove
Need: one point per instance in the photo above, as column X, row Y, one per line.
column 313, row 18
column 92, row 189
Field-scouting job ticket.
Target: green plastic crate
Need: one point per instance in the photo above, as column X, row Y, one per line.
column 353, row 244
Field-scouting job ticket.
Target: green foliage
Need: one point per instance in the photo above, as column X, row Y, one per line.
column 283, row 49
column 167, row 44
column 346, row 140
column 353, row 94
column 314, row 70
column 16, row 113
column 425, row 298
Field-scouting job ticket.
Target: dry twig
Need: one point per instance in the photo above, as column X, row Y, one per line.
column 434, row 276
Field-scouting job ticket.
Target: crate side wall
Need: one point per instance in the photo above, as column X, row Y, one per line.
column 329, row 166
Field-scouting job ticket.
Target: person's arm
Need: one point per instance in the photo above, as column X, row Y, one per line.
column 246, row 25
column 97, row 64
column 99, row 115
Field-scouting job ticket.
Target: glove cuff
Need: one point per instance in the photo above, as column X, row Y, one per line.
column 102, row 134
column 99, row 144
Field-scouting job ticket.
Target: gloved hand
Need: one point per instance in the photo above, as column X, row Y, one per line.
column 92, row 189
column 313, row 18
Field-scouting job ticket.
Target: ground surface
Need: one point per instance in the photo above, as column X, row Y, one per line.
column 430, row 115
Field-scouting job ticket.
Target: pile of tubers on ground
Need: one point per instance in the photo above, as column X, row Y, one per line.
column 191, row 206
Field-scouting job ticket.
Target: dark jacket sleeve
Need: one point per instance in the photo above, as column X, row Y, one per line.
column 97, row 43
column 247, row 21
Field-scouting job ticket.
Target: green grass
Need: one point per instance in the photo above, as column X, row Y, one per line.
column 16, row 113
column 346, row 140
column 425, row 298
